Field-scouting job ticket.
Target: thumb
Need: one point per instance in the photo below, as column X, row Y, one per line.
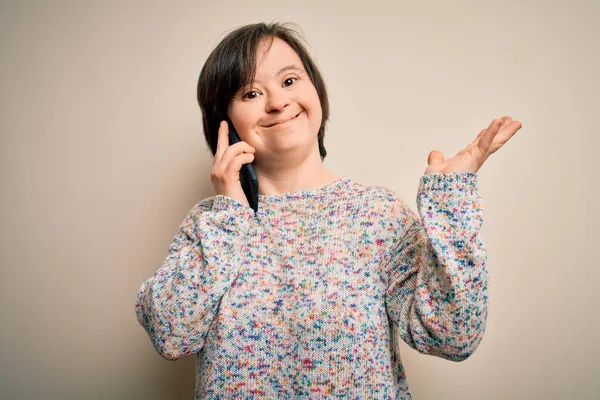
column 435, row 157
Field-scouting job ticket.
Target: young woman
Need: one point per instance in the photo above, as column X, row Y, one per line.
column 309, row 296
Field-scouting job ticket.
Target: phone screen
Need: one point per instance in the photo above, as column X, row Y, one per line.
column 247, row 174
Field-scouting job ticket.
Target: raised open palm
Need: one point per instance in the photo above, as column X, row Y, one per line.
column 472, row 157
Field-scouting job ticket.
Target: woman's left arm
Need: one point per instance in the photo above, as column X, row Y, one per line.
column 437, row 278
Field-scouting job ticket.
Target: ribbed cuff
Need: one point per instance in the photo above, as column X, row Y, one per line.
column 466, row 181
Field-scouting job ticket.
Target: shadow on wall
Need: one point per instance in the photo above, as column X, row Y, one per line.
column 160, row 380
column 173, row 380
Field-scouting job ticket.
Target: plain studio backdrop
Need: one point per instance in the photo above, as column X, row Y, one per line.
column 102, row 155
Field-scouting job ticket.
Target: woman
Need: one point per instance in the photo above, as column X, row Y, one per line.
column 309, row 296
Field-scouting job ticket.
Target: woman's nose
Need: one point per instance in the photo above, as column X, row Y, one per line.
column 277, row 100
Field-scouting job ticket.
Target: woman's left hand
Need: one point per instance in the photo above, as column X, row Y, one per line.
column 472, row 157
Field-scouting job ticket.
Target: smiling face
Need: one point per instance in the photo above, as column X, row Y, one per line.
column 280, row 114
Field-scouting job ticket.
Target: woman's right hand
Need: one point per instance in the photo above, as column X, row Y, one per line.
column 227, row 163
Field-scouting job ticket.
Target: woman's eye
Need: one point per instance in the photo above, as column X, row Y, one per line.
column 245, row 96
column 291, row 79
column 248, row 95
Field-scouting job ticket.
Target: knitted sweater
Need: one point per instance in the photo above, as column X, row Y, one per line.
column 309, row 297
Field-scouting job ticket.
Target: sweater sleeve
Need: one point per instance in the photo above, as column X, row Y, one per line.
column 437, row 280
column 177, row 305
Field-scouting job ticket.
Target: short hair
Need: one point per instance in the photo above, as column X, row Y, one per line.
column 232, row 65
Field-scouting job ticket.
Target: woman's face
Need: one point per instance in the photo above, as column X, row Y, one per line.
column 281, row 114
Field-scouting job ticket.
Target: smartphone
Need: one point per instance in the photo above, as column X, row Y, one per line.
column 247, row 174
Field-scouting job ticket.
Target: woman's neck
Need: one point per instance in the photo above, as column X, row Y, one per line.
column 300, row 179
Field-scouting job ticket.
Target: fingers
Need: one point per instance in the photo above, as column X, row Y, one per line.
column 487, row 137
column 435, row 157
column 222, row 140
column 496, row 134
column 234, row 167
column 226, row 153
column 507, row 131
column 505, row 121
column 481, row 133
column 223, row 143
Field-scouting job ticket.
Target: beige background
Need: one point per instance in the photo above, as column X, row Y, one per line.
column 102, row 155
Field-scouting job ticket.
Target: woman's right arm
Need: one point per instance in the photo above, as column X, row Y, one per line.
column 177, row 305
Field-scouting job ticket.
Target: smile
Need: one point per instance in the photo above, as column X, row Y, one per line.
column 284, row 122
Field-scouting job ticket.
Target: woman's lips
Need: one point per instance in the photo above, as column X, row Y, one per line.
column 284, row 122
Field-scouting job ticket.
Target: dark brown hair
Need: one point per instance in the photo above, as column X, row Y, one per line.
column 232, row 65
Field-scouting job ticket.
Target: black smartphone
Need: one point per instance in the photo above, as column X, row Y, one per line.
column 247, row 174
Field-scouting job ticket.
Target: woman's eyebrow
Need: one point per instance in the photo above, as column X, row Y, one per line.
column 286, row 68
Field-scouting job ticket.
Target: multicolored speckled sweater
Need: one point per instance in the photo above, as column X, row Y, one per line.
column 310, row 297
